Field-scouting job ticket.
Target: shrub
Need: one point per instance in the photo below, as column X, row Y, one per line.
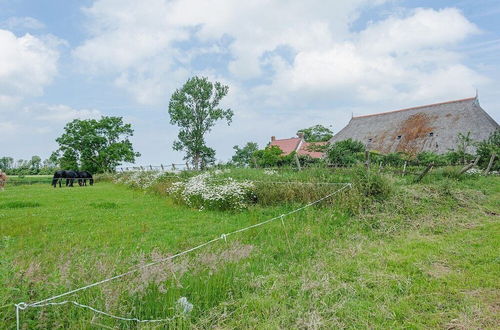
column 140, row 179
column 427, row 157
column 486, row 148
column 207, row 191
column 345, row 152
column 371, row 185
column 272, row 156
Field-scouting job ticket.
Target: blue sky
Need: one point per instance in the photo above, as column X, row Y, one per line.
column 289, row 64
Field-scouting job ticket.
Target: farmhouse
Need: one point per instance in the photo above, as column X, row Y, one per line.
column 431, row 127
column 299, row 145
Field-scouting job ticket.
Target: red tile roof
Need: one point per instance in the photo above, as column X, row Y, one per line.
column 305, row 149
column 286, row 145
column 290, row 145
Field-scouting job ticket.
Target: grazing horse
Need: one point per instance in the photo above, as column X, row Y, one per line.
column 70, row 178
column 58, row 176
column 83, row 176
column 3, row 178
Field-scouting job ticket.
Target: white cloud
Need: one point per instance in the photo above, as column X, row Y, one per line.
column 400, row 58
column 407, row 56
column 26, row 22
column 60, row 112
column 27, row 65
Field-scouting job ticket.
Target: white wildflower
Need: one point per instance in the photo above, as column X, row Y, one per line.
column 184, row 305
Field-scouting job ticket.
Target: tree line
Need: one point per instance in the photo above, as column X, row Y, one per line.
column 101, row 145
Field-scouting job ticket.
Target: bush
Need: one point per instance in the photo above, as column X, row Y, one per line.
column 272, row 157
column 427, row 157
column 140, row 179
column 486, row 148
column 345, row 153
column 207, row 191
column 371, row 185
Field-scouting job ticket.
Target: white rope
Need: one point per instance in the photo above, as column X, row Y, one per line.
column 45, row 302
column 99, row 311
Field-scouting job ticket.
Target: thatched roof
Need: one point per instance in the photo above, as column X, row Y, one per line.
column 426, row 128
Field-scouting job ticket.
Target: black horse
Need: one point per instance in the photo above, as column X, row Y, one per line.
column 58, row 176
column 71, row 176
column 83, row 176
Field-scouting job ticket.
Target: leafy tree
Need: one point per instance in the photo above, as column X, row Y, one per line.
column 488, row 147
column 345, row 152
column 6, row 163
column 95, row 145
column 317, row 133
column 195, row 109
column 245, row 156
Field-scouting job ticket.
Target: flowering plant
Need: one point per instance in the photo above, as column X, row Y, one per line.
column 140, row 179
column 207, row 191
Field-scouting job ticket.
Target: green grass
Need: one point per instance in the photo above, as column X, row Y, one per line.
column 424, row 257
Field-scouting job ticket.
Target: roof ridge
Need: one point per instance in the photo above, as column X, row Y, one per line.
column 417, row 107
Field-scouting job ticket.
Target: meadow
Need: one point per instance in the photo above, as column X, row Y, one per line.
column 393, row 254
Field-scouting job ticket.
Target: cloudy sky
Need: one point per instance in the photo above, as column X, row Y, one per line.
column 289, row 64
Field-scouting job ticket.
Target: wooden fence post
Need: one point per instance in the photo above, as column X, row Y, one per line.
column 162, row 169
column 367, row 160
column 297, row 161
column 173, row 167
column 404, row 168
column 468, row 167
column 427, row 169
column 490, row 164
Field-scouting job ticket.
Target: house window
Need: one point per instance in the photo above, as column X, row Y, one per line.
column 370, row 140
column 431, row 134
column 399, row 137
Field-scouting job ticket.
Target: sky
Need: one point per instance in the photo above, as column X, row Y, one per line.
column 288, row 64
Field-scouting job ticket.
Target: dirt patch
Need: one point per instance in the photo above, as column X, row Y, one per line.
column 439, row 270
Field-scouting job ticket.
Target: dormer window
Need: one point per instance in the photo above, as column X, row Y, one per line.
column 370, row 140
column 431, row 134
column 399, row 137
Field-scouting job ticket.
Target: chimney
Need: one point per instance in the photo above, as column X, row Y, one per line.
column 300, row 135
column 273, row 138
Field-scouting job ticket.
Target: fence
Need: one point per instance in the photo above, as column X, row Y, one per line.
column 162, row 168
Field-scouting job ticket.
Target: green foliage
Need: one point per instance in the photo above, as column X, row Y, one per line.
column 317, row 133
column 395, row 159
column 26, row 167
column 371, row 185
column 345, row 152
column 427, row 157
column 272, row 157
column 95, row 145
column 488, row 147
column 464, row 142
column 195, row 109
column 245, row 156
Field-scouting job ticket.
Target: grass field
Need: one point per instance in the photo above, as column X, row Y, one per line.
column 425, row 257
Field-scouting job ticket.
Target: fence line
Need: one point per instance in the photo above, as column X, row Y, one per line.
column 47, row 302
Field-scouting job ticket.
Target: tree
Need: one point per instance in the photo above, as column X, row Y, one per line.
column 195, row 109
column 35, row 164
column 95, row 145
column 344, row 152
column 488, row 147
column 245, row 156
column 6, row 163
column 317, row 133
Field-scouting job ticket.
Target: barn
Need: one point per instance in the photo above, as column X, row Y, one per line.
column 433, row 127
